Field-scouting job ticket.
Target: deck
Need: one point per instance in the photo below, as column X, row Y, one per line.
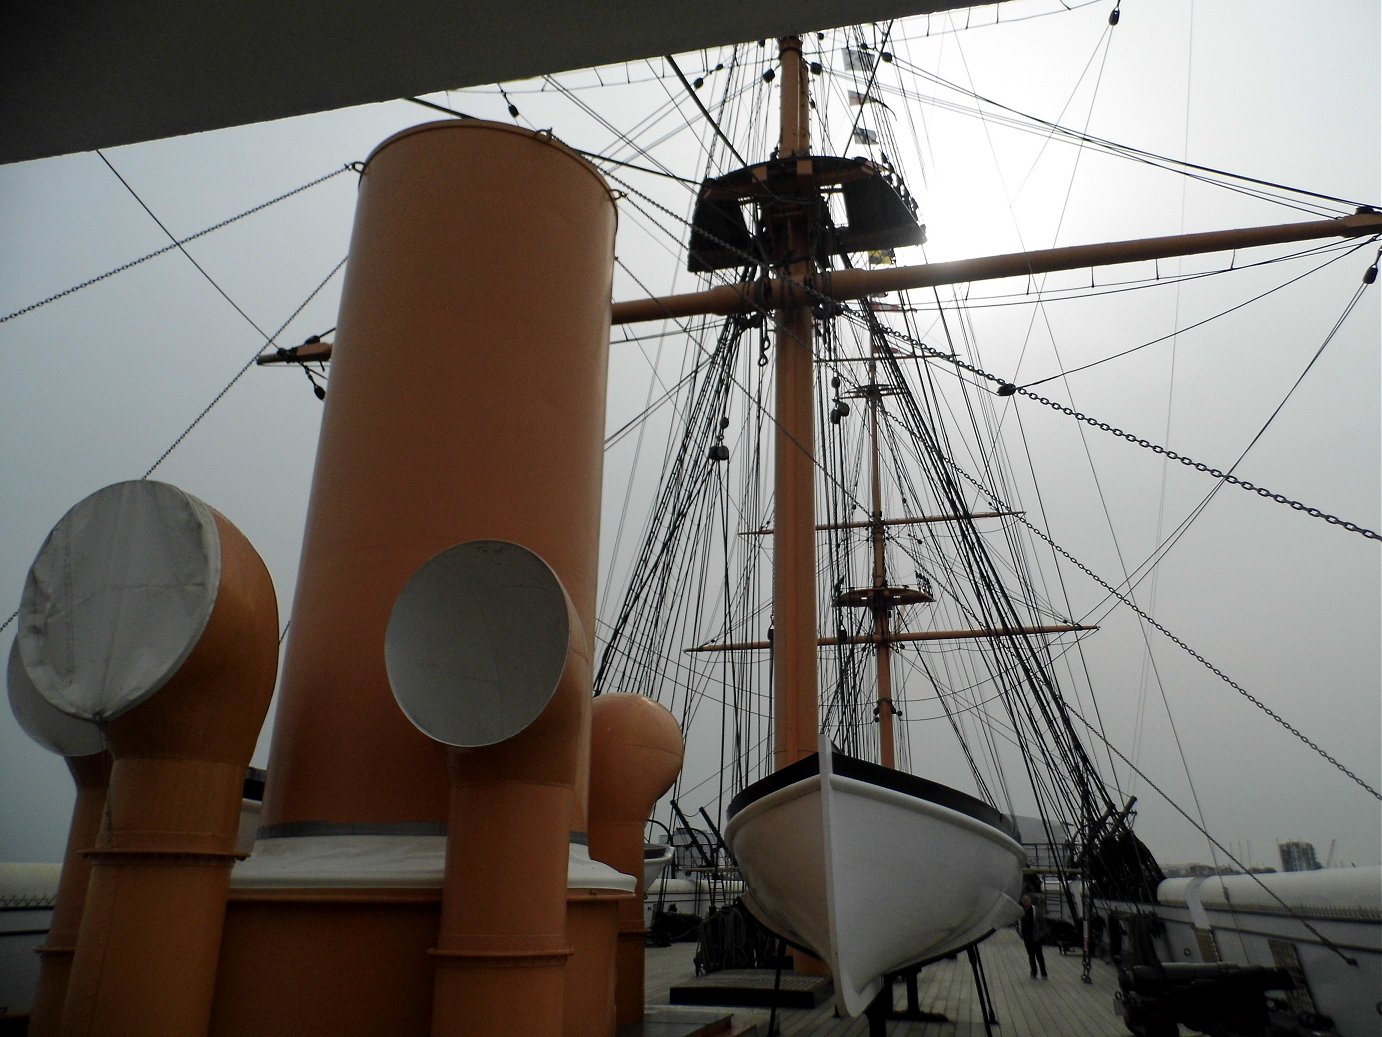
column 1061, row 1006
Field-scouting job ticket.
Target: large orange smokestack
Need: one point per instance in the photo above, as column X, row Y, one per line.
column 150, row 614
column 466, row 402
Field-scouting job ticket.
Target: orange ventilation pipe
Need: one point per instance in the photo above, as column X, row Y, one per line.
column 502, row 948
column 92, row 776
column 466, row 403
column 151, row 614
column 486, row 654
column 83, row 746
column 636, row 755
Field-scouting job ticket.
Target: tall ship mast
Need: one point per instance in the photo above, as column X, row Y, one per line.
column 797, row 835
column 861, row 863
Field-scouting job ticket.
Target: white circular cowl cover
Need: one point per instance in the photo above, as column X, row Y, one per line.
column 54, row 730
column 118, row 597
column 477, row 642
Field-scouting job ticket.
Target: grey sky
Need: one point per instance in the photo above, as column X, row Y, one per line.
column 94, row 387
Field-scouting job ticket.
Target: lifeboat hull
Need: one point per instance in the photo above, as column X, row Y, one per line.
column 870, row 869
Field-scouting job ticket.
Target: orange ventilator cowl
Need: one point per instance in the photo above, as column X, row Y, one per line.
column 636, row 755
column 511, row 708
column 91, row 774
column 83, row 746
column 151, row 614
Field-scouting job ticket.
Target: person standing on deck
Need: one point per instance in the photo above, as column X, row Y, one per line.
column 1031, row 930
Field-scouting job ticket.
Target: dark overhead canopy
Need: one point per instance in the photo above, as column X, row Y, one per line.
column 85, row 74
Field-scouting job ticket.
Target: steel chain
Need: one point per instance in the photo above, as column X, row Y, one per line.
column 1156, row 448
column 172, row 245
column 934, row 353
column 1200, row 466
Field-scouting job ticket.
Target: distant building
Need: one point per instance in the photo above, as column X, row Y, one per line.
column 1298, row 856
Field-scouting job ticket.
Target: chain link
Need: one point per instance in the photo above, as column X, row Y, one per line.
column 1200, row 466
column 1007, row 389
column 937, row 354
column 172, row 245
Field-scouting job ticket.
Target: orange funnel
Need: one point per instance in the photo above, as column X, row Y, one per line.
column 467, row 402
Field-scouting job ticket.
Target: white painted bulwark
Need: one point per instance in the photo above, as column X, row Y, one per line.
column 1326, row 924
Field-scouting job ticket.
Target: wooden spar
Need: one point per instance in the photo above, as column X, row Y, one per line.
column 842, row 285
column 906, row 520
column 313, row 351
column 905, row 635
column 794, row 549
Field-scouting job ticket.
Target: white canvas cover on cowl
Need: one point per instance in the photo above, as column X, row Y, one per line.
column 358, row 861
column 118, row 597
column 477, row 641
column 49, row 727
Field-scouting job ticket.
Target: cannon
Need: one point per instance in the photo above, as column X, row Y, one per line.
column 1217, row 998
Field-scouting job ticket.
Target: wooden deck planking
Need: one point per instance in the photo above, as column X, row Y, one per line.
column 1061, row 1006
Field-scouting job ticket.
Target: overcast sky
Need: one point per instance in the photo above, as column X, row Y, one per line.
column 96, row 386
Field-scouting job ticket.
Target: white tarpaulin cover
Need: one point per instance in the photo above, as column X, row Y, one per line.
column 1328, row 893
column 456, row 667
column 51, row 728
column 118, row 597
column 383, row 861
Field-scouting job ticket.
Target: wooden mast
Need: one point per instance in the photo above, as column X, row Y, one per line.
column 881, row 608
column 795, row 684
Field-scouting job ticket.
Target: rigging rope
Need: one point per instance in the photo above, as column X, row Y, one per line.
column 1247, row 871
column 714, row 125
column 1344, row 251
column 1130, row 603
column 220, row 395
column 1006, row 388
column 1127, row 151
column 592, row 155
column 240, row 373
